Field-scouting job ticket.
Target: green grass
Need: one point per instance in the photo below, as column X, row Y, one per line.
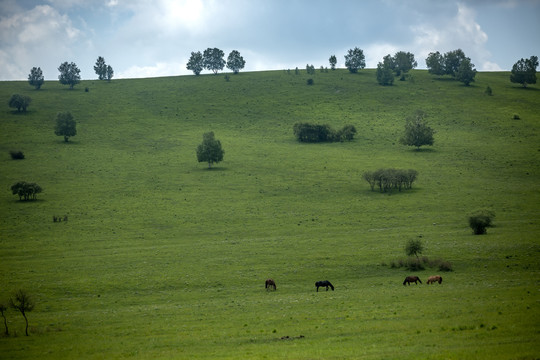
column 164, row 259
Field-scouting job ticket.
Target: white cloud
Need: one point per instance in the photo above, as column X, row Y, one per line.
column 374, row 53
column 157, row 70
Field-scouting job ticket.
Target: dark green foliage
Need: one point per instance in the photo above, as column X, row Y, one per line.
column 420, row 263
column 417, row 132
column 235, row 61
column 101, row 68
column 20, row 102
column 466, row 72
column 16, row 155
column 524, row 71
column 65, row 125
column 488, row 91
column 210, row 150
column 414, row 247
column 333, row 62
column 447, row 64
column 435, row 63
column 452, row 61
column 26, row 191
column 389, row 179
column 22, row 302
column 385, row 73
column 195, row 63
column 69, row 74
column 309, row 81
column 480, row 221
column 213, row 59
column 35, row 78
column 355, row 60
column 402, row 62
column 306, row 132
column 109, row 73
column 310, row 69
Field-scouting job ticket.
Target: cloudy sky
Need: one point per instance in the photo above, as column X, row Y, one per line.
column 144, row 38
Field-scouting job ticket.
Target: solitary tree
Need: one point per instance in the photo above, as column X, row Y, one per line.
column 355, row 60
column 402, row 62
column 524, row 71
column 3, row 308
column 385, row 74
column 20, row 102
column 466, row 72
column 417, row 132
column 210, row 150
column 480, row 221
column 195, row 62
column 213, row 59
column 110, row 72
column 101, row 68
column 35, row 78
column 333, row 62
column 69, row 74
column 23, row 303
column 65, row 125
column 235, row 61
column 414, row 247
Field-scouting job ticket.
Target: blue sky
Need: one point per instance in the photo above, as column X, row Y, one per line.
column 143, row 38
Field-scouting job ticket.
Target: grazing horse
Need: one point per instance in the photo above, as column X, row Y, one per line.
column 269, row 284
column 324, row 283
column 412, row 279
column 434, row 279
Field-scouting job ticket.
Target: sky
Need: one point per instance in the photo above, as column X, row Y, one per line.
column 152, row 38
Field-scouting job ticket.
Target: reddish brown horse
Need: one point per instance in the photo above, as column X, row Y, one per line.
column 412, row 279
column 269, row 284
column 434, row 279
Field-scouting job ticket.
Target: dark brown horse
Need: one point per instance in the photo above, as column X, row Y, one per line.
column 324, row 283
column 434, row 279
column 412, row 279
column 269, row 284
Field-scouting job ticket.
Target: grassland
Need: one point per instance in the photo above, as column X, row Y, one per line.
column 164, row 259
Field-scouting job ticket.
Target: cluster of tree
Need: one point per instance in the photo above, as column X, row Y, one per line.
column 26, row 191
column 453, row 63
column 22, row 302
column 210, row 149
column 103, row 71
column 65, row 125
column 389, row 179
column 212, row 59
column 417, row 132
column 524, row 71
column 20, row 102
column 306, row 132
column 397, row 65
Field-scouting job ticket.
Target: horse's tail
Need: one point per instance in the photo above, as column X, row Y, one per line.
column 405, row 281
column 419, row 280
column 331, row 286
column 440, row 279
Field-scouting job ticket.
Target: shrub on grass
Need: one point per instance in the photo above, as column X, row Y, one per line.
column 20, row 102
column 480, row 221
column 16, row 155
column 414, row 247
column 306, row 132
column 389, row 179
column 309, row 81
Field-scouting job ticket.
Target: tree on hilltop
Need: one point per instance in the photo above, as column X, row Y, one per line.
column 69, row 74
column 235, row 61
column 100, row 68
column 385, row 73
column 213, row 59
column 35, row 78
column 435, row 63
column 333, row 62
column 403, row 62
column 466, row 72
column 355, row 60
column 195, row 62
column 524, row 71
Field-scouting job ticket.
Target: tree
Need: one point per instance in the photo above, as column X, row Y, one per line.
column 110, row 72
column 20, row 102
column 69, row 74
column 101, row 68
column 235, row 61
column 452, row 61
column 23, row 303
column 355, row 60
column 210, row 150
column 65, row 125
column 466, row 72
column 195, row 62
column 480, row 220
column 26, row 191
column 333, row 62
column 213, row 59
column 417, row 132
column 402, row 62
column 435, row 63
column 3, row 308
column 35, row 78
column 524, row 71
column 385, row 74
column 414, row 247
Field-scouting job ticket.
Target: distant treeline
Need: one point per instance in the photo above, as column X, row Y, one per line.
column 388, row 179
column 306, row 132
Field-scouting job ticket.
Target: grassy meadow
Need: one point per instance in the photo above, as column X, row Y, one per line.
column 162, row 258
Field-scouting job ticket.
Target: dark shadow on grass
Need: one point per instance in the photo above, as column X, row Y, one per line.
column 213, row 168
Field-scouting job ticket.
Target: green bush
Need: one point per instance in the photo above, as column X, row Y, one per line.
column 306, row 132
column 480, row 221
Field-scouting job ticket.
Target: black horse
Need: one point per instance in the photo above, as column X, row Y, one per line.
column 412, row 279
column 324, row 283
column 269, row 284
